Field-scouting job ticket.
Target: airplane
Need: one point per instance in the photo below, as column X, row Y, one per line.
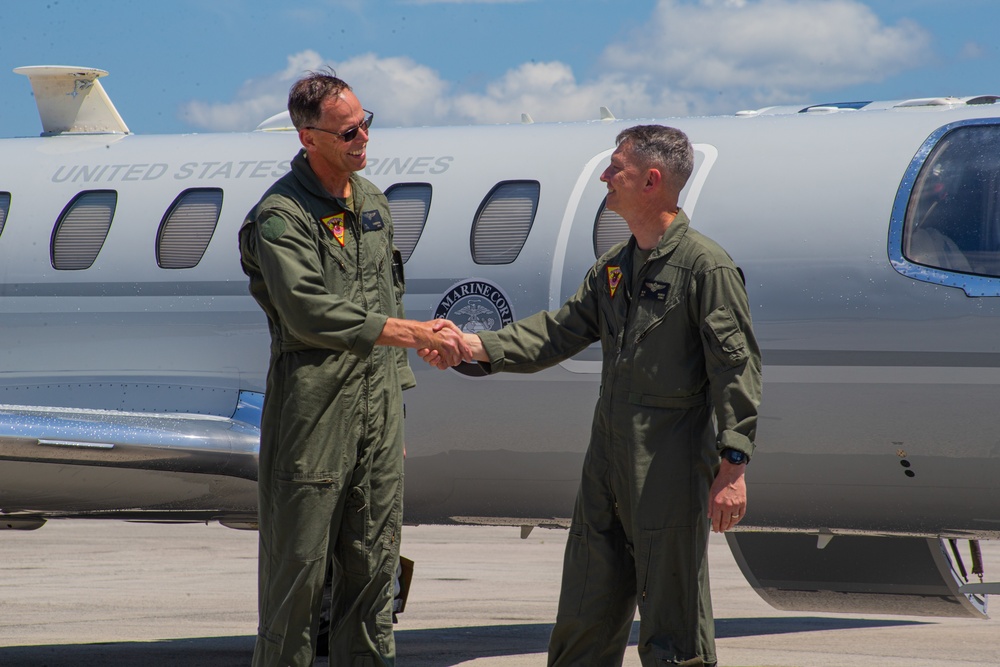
column 132, row 358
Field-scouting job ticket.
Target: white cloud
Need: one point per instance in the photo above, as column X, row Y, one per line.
column 973, row 51
column 255, row 101
column 546, row 91
column 690, row 57
column 405, row 93
column 550, row 92
column 770, row 47
column 399, row 90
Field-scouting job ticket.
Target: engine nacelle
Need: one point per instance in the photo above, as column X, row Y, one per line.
column 913, row 576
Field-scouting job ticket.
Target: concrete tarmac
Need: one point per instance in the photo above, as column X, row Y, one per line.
column 102, row 593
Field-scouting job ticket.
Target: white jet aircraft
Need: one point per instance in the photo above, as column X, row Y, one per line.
column 132, row 358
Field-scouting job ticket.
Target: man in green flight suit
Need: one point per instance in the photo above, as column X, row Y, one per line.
column 671, row 312
column 318, row 249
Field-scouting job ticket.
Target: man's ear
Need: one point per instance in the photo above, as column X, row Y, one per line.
column 306, row 138
column 653, row 178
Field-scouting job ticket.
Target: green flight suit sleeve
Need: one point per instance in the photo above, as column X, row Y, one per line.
column 546, row 338
column 290, row 263
column 732, row 357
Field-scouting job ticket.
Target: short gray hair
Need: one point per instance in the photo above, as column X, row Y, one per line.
column 664, row 147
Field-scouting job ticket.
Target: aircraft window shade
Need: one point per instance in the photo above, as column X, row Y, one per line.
column 4, row 207
column 504, row 219
column 82, row 227
column 610, row 229
column 953, row 215
column 187, row 228
column 409, row 204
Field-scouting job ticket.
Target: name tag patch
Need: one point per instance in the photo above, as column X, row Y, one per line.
column 371, row 221
column 654, row 290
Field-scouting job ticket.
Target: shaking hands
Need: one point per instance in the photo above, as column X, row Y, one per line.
column 453, row 346
column 438, row 342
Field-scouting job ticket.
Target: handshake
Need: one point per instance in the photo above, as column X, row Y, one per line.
column 447, row 346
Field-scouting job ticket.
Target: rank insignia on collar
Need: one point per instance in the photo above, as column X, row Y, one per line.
column 335, row 223
column 614, row 279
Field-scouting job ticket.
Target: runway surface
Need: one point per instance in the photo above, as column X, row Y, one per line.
column 100, row 593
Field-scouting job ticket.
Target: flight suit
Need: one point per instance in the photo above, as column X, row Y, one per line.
column 326, row 274
column 678, row 348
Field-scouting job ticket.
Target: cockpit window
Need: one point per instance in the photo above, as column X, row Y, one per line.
column 946, row 220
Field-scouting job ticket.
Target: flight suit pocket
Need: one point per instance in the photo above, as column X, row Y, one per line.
column 391, row 530
column 576, row 569
column 664, row 568
column 655, row 319
column 391, row 286
column 336, row 275
column 673, row 593
column 724, row 338
column 303, row 508
column 611, row 321
column 660, row 362
column 356, row 521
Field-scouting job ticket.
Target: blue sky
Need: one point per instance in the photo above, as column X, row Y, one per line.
column 222, row 65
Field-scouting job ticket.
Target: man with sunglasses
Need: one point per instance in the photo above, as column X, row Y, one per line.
column 318, row 249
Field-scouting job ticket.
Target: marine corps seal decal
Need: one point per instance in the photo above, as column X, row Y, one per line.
column 475, row 305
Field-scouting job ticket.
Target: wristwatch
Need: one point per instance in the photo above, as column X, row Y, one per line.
column 735, row 456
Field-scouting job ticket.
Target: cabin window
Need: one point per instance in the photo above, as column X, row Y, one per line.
column 81, row 229
column 610, row 229
column 947, row 213
column 187, row 228
column 4, row 207
column 409, row 204
column 503, row 221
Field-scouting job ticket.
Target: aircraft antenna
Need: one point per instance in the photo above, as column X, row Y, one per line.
column 72, row 100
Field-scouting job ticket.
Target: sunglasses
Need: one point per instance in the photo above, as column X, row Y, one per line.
column 351, row 133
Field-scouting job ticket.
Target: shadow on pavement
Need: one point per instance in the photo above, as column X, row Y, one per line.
column 200, row 652
column 726, row 628
column 438, row 646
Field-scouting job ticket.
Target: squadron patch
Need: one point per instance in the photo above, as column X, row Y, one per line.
column 474, row 306
column 614, row 279
column 335, row 223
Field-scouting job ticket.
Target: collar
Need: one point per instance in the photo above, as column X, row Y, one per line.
column 675, row 232
column 307, row 177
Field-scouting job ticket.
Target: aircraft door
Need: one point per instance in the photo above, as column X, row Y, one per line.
column 588, row 230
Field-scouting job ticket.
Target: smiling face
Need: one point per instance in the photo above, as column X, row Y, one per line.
column 329, row 155
column 625, row 178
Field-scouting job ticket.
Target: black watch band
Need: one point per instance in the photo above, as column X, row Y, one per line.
column 735, row 456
